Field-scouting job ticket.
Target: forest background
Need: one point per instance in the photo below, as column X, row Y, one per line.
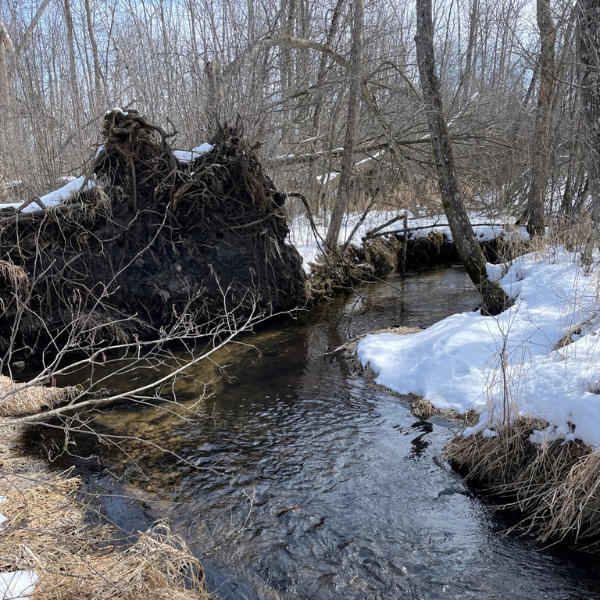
column 291, row 70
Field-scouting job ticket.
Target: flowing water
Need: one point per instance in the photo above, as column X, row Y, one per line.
column 300, row 481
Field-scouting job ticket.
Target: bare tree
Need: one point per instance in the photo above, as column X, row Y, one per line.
column 588, row 24
column 5, row 47
column 354, row 93
column 543, row 120
column 471, row 255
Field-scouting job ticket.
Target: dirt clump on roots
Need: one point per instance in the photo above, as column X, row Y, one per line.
column 554, row 486
column 148, row 238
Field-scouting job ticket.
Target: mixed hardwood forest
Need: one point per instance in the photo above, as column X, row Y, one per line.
column 328, row 92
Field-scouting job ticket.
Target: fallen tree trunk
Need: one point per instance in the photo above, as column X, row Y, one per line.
column 155, row 238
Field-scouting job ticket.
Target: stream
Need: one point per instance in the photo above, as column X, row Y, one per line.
column 301, row 481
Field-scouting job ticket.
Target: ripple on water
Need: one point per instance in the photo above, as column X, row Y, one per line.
column 304, row 483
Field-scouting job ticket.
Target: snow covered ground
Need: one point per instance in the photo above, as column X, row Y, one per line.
column 302, row 237
column 540, row 358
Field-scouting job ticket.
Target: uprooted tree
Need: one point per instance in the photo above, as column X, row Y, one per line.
column 147, row 241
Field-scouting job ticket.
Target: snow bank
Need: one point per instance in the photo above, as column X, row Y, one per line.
column 301, row 234
column 541, row 356
column 55, row 197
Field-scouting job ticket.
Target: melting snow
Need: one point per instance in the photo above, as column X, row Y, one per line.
column 545, row 347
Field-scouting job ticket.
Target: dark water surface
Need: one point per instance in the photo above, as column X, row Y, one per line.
column 301, row 482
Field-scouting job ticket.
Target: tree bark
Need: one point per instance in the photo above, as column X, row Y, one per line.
column 469, row 250
column 320, row 102
column 76, row 101
column 32, row 25
column 543, row 120
column 98, row 95
column 469, row 58
column 356, row 56
column 5, row 43
column 588, row 23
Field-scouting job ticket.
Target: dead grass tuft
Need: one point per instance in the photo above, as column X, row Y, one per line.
column 382, row 254
column 16, row 276
column 50, row 532
column 30, row 400
column 423, row 409
column 555, row 486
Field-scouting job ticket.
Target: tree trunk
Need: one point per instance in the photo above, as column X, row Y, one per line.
column 588, row 23
column 469, row 58
column 356, row 56
column 5, row 43
column 215, row 96
column 469, row 250
column 98, row 95
column 319, row 105
column 76, row 101
column 543, row 120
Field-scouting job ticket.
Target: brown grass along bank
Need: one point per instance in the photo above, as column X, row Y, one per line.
column 337, row 272
column 52, row 529
column 17, row 399
column 555, row 486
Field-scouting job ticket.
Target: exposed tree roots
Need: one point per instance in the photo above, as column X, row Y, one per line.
column 155, row 238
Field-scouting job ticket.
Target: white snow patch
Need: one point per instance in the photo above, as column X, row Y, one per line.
column 116, row 109
column 17, row 585
column 457, row 363
column 189, row 156
column 55, row 197
column 325, row 179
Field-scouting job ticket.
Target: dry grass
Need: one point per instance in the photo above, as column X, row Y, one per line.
column 16, row 276
column 382, row 254
column 555, row 486
column 50, row 532
column 424, row 409
column 30, row 400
